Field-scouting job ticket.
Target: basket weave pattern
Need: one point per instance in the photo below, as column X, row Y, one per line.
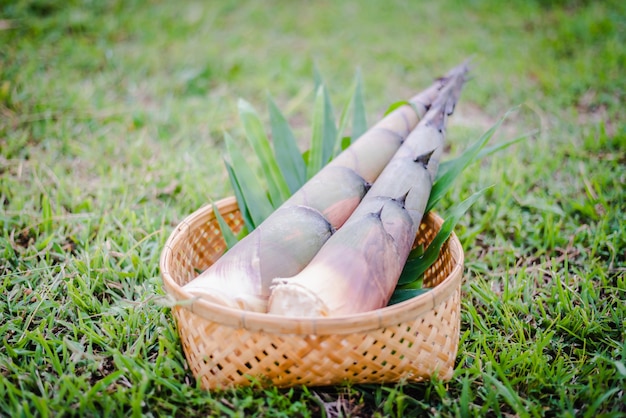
column 412, row 341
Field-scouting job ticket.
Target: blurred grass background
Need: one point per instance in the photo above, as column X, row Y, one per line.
column 111, row 122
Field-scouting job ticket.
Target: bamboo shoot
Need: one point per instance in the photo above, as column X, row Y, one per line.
column 241, row 278
column 357, row 269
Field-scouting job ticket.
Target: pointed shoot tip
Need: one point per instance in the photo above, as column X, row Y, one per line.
column 402, row 199
column 424, row 159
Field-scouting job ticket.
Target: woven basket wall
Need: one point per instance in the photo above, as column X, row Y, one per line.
column 412, row 341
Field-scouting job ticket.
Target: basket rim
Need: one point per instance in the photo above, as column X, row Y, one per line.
column 265, row 322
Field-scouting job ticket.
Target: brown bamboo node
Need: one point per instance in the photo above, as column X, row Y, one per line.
column 411, row 341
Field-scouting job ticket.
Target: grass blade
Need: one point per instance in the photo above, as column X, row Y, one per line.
column 593, row 409
column 288, row 156
column 510, row 396
column 276, row 184
column 258, row 205
column 46, row 209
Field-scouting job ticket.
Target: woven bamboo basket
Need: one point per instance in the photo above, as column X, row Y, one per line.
column 410, row 341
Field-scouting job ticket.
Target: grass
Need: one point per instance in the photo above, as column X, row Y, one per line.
column 111, row 121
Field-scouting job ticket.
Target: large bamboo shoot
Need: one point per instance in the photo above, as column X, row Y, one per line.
column 283, row 244
column 357, row 269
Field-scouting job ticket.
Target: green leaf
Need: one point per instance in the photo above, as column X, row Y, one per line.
column 359, row 122
column 345, row 142
column 400, row 295
column 416, row 283
column 432, row 251
column 399, row 104
column 306, row 154
column 409, row 271
column 359, row 125
column 445, row 166
column 229, row 236
column 317, row 76
column 452, row 170
column 329, row 129
column 288, row 156
column 243, row 208
column 343, row 122
column 395, row 105
column 276, row 184
column 498, row 147
column 252, row 191
column 315, row 159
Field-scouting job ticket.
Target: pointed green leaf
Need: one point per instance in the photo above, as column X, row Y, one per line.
column 449, row 172
column 330, row 130
column 498, row 147
column 243, row 209
column 288, row 156
column 343, row 122
column 445, row 166
column 416, row 283
column 432, row 251
column 306, row 155
column 395, row 105
column 329, row 127
column 259, row 206
column 346, row 141
column 400, row 295
column 409, row 271
column 316, row 152
column 399, row 104
column 276, row 184
column 229, row 236
column 359, row 121
column 317, row 76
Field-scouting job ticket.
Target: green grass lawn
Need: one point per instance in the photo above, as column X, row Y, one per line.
column 112, row 116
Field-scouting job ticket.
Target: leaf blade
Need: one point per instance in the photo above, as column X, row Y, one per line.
column 401, row 295
column 258, row 204
column 456, row 212
column 229, row 236
column 447, row 173
column 359, row 119
column 316, row 151
column 288, row 156
column 243, row 208
column 255, row 134
column 329, row 127
column 409, row 271
column 343, row 122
